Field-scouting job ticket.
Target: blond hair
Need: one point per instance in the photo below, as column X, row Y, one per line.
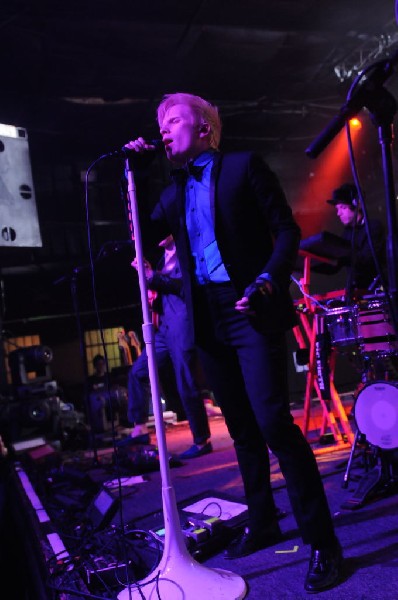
column 207, row 112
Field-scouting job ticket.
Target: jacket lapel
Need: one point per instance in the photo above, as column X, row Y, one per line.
column 213, row 180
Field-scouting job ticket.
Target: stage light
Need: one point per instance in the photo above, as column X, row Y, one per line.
column 38, row 411
column 355, row 123
column 28, row 418
column 25, row 361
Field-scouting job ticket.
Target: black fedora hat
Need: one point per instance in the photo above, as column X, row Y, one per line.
column 345, row 194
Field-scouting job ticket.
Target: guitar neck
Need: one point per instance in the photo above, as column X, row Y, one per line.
column 125, row 348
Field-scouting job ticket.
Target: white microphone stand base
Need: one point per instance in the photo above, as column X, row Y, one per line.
column 178, row 576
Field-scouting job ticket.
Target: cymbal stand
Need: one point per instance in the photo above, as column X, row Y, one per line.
column 347, row 472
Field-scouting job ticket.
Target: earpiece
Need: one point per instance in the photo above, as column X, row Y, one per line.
column 354, row 200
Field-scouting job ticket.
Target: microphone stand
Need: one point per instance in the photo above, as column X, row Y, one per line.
column 73, row 288
column 178, row 575
column 93, row 442
column 382, row 107
column 383, row 117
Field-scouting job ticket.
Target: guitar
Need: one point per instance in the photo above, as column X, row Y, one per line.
column 135, row 342
column 126, row 343
column 152, row 295
column 124, row 347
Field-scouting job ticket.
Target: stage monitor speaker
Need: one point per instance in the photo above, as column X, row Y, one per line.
column 101, row 510
column 19, row 224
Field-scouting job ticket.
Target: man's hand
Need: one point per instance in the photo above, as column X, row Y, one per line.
column 147, row 268
column 139, row 145
column 243, row 306
column 255, row 297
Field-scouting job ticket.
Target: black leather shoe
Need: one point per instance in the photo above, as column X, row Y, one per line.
column 325, row 568
column 131, row 441
column 194, row 451
column 247, row 542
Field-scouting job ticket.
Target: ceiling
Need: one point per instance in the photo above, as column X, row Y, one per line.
column 84, row 77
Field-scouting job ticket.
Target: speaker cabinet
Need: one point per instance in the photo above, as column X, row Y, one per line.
column 19, row 223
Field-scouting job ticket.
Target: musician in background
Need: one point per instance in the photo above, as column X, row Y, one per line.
column 362, row 268
column 172, row 341
column 99, row 379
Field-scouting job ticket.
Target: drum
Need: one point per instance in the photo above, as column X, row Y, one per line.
column 376, row 414
column 342, row 325
column 375, row 330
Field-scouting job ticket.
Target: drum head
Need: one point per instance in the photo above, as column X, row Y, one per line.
column 376, row 414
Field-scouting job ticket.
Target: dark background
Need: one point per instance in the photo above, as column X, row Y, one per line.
column 85, row 77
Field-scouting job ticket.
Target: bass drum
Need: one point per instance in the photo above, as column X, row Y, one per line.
column 376, row 414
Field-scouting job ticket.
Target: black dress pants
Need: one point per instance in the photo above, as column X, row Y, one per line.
column 247, row 371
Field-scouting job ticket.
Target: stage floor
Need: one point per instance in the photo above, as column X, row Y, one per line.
column 125, row 495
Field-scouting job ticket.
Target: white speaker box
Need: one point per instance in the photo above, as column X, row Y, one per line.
column 19, row 223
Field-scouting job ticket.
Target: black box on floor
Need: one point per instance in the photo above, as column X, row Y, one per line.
column 206, row 531
column 101, row 509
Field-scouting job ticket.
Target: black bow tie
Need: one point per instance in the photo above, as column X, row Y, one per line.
column 181, row 175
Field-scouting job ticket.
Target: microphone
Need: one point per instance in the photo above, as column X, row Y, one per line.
column 126, row 152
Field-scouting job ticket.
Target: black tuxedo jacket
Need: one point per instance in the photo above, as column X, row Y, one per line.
column 255, row 231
